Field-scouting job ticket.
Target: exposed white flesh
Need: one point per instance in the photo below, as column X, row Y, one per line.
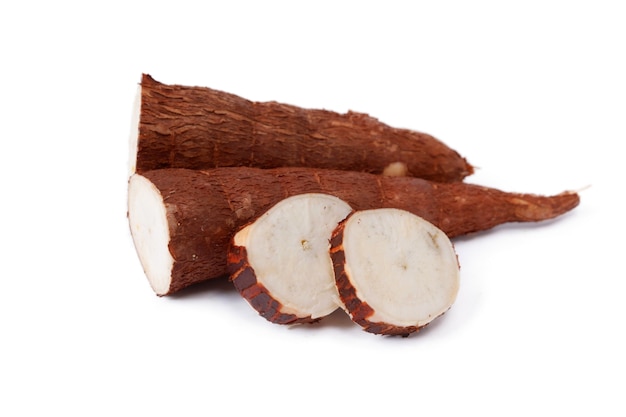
column 134, row 133
column 149, row 228
column 288, row 248
column 404, row 267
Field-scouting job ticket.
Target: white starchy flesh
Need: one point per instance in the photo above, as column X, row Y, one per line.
column 149, row 228
column 133, row 141
column 401, row 265
column 288, row 248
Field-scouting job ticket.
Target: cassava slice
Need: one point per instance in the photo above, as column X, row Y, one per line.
column 395, row 271
column 182, row 220
column 179, row 126
column 280, row 263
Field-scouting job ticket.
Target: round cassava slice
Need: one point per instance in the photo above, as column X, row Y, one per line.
column 281, row 263
column 395, row 272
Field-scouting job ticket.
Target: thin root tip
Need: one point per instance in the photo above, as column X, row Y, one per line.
column 579, row 190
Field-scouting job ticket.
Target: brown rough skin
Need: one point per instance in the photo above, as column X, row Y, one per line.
column 202, row 128
column 358, row 309
column 244, row 278
column 206, row 208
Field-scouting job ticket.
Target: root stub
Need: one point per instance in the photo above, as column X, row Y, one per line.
column 280, row 263
column 395, row 271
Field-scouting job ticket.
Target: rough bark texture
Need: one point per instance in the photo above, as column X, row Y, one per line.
column 202, row 128
column 244, row 278
column 206, row 208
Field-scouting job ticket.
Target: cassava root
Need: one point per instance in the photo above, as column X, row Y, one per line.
column 201, row 128
column 183, row 220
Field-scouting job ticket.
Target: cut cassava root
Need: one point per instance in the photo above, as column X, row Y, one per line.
column 280, row 263
column 182, row 221
column 392, row 271
column 395, row 272
column 201, row 128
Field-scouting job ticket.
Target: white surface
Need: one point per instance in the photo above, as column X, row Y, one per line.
column 533, row 94
column 150, row 232
column 288, row 249
column 402, row 266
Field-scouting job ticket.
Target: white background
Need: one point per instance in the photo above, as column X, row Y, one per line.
column 531, row 92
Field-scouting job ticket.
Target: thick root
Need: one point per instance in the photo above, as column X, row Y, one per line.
column 195, row 214
column 201, row 128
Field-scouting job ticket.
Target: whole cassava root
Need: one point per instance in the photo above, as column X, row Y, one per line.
column 201, row 128
column 182, row 220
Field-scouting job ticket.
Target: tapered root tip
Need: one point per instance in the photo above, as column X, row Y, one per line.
column 469, row 169
column 536, row 208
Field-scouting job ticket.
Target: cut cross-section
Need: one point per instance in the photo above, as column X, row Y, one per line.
column 281, row 264
column 395, row 271
column 149, row 228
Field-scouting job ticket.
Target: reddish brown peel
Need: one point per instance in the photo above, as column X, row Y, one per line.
column 204, row 209
column 280, row 263
column 201, row 128
column 359, row 310
column 243, row 277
